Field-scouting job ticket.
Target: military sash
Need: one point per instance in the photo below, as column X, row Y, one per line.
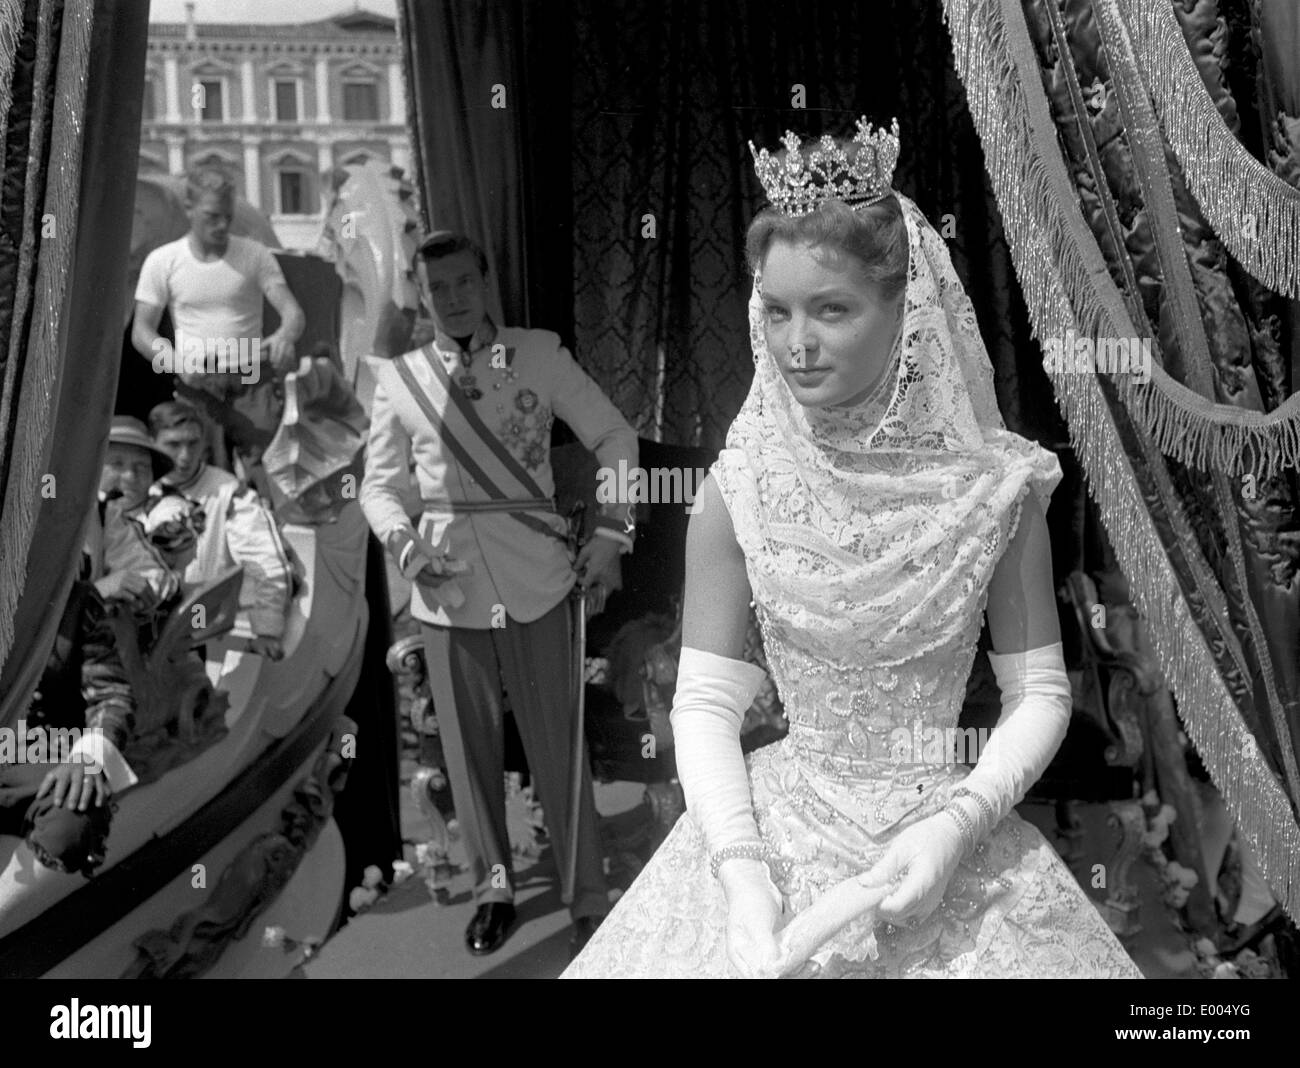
column 480, row 452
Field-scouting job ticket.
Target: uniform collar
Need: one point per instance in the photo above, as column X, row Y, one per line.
column 482, row 338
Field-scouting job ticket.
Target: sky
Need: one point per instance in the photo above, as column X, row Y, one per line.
column 264, row 10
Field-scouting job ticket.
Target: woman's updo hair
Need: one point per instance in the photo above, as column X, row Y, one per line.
column 875, row 235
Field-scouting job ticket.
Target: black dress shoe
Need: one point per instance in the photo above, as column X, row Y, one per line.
column 583, row 928
column 489, row 927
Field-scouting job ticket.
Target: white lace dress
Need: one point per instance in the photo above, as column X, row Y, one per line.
column 829, row 798
column 870, row 536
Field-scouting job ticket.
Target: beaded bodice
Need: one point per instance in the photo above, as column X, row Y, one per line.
column 866, row 721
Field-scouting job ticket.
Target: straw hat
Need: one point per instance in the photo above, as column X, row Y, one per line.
column 128, row 430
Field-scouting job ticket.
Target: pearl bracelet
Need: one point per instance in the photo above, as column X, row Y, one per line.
column 964, row 824
column 985, row 805
column 751, row 850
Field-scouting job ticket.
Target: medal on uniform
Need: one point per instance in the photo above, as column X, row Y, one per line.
column 469, row 386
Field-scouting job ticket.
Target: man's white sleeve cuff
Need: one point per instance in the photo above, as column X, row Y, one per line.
column 624, row 540
column 99, row 754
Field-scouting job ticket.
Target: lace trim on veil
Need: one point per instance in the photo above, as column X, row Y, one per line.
column 854, row 525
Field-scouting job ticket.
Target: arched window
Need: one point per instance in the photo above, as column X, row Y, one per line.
column 295, row 192
column 285, row 92
column 360, row 93
column 209, row 91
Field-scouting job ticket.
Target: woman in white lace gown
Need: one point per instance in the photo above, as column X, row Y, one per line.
column 872, row 505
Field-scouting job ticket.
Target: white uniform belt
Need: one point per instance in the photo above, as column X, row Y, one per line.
column 517, row 504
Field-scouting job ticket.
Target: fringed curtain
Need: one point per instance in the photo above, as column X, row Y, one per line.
column 70, row 98
column 1135, row 210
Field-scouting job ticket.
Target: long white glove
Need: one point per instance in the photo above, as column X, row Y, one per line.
column 1036, row 707
column 922, row 860
column 709, row 706
column 713, row 693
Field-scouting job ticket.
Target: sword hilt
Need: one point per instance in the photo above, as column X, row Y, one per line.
column 577, row 514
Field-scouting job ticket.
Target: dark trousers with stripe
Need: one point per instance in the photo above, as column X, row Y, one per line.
column 532, row 662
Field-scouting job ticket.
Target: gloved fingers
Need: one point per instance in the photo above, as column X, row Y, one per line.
column 903, row 903
column 902, row 908
column 752, row 921
column 891, row 867
column 423, row 545
column 755, row 958
column 439, row 568
column 918, row 895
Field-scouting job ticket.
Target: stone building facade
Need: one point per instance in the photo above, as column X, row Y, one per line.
column 275, row 105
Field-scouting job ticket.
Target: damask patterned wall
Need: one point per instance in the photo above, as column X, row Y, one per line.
column 665, row 100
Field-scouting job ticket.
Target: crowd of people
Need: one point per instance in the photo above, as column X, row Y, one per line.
column 457, row 487
column 166, row 522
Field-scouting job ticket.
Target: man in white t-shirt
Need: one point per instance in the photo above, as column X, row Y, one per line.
column 214, row 283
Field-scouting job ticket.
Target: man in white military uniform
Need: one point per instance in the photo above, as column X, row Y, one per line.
column 491, row 568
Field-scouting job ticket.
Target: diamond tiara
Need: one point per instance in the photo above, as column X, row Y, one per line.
column 799, row 184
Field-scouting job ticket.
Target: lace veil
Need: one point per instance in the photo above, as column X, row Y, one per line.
column 871, row 532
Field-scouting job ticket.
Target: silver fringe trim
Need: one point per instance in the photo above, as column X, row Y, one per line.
column 1254, row 212
column 1063, row 293
column 1214, row 437
column 11, row 21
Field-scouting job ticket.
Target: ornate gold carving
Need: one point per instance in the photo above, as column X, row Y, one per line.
column 252, row 881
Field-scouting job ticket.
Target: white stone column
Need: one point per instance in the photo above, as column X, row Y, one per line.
column 253, row 170
column 172, row 86
column 175, row 154
column 247, row 90
column 324, row 164
column 396, row 95
column 322, row 90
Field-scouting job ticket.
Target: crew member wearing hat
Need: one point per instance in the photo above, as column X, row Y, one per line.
column 491, row 568
column 127, row 563
column 58, row 801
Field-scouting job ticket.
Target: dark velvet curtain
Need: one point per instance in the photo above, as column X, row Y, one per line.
column 613, row 190
column 70, row 105
column 487, row 87
column 666, row 98
column 622, row 165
